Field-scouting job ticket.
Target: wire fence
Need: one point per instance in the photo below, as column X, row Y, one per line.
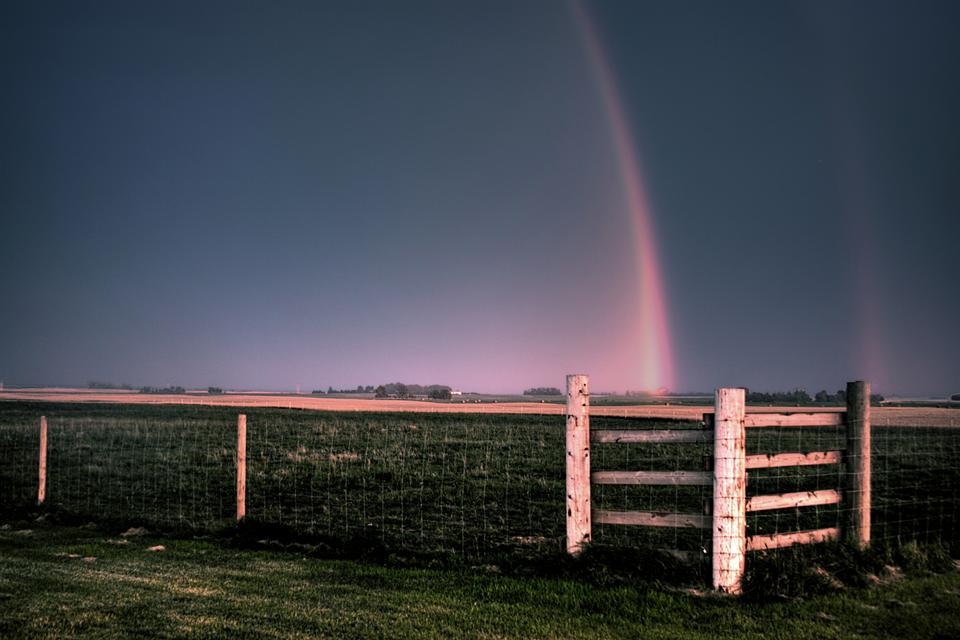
column 665, row 499
column 473, row 485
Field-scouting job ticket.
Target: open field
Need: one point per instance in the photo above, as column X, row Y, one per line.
column 894, row 416
column 58, row 582
column 444, row 487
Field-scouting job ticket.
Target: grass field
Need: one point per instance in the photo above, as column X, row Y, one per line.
column 438, row 489
column 61, row 582
column 674, row 408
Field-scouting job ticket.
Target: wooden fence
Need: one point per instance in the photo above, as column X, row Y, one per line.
column 726, row 428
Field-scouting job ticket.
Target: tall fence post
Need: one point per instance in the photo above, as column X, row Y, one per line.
column 241, row 466
column 42, row 476
column 578, row 462
column 856, row 494
column 729, row 490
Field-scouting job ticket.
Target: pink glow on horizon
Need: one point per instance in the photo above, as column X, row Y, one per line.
column 651, row 338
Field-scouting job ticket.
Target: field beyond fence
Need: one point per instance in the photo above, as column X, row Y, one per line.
column 478, row 487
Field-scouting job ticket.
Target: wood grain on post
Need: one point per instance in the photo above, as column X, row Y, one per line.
column 856, row 494
column 241, row 466
column 729, row 490
column 578, row 462
column 42, row 479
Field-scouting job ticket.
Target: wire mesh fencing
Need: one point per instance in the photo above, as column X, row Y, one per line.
column 474, row 485
column 671, row 493
column 19, row 445
column 802, row 479
column 173, row 471
column 471, row 485
column 915, row 484
column 465, row 484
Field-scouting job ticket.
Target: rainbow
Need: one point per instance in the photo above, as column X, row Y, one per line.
column 651, row 331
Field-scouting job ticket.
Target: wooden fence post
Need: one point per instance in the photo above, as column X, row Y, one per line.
column 729, row 490
column 856, row 493
column 578, row 462
column 241, row 466
column 42, row 480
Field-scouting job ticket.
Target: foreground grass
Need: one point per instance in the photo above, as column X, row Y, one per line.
column 69, row 582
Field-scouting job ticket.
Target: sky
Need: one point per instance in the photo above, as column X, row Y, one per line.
column 489, row 195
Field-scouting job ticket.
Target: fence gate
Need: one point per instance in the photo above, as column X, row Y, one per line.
column 726, row 428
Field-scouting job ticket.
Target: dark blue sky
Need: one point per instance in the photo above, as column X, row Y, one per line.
column 272, row 194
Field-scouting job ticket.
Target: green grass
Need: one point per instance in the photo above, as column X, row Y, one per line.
column 199, row 588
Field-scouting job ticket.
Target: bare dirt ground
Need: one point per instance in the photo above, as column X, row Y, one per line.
column 892, row 416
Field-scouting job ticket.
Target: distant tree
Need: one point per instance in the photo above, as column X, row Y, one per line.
column 543, row 391
column 368, row 388
column 823, row 396
column 442, row 393
column 331, row 390
column 162, row 390
column 109, row 385
column 795, row 397
column 215, row 391
column 402, row 390
column 381, row 392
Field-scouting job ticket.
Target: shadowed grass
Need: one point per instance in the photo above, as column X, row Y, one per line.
column 68, row 582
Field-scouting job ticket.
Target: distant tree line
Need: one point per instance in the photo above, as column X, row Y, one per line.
column 162, row 390
column 402, row 390
column 801, row 397
column 543, row 391
column 955, row 396
column 360, row 389
column 109, row 385
column 215, row 391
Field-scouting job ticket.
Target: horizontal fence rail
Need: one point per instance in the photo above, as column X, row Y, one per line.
column 783, row 540
column 651, row 519
column 658, row 436
column 793, row 500
column 671, row 478
column 772, row 460
column 833, row 419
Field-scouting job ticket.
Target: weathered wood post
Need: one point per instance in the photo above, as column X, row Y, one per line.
column 578, row 462
column 856, row 492
column 241, row 466
column 42, row 479
column 729, row 490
